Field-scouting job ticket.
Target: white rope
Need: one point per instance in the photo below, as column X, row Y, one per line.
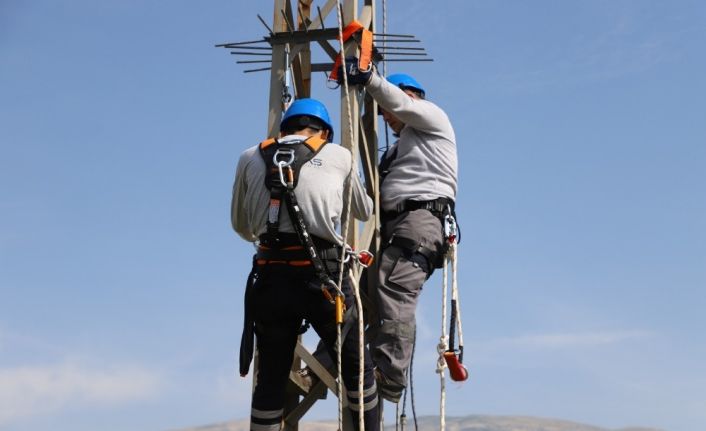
column 442, row 347
column 361, row 348
column 384, row 32
column 384, row 63
column 344, row 232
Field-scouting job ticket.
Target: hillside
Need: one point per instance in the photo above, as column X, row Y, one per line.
column 430, row 423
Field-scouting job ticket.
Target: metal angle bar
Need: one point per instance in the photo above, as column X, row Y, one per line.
column 252, row 53
column 253, row 61
column 330, row 50
column 256, row 70
column 321, row 67
column 301, row 36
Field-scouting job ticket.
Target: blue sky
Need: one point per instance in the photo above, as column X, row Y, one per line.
column 582, row 146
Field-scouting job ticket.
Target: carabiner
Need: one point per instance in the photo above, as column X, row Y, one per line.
column 347, row 253
column 283, row 163
column 365, row 258
column 283, row 151
column 335, row 288
column 450, row 229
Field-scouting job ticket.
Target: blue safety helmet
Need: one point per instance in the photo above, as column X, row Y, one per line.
column 306, row 109
column 405, row 82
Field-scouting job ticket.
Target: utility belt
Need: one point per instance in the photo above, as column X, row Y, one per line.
column 288, row 250
column 438, row 207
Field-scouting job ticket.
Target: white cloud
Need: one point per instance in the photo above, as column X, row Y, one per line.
column 31, row 391
column 234, row 390
column 576, row 339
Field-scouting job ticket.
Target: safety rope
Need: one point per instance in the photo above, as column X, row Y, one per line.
column 344, row 232
column 442, row 347
column 384, row 32
column 411, row 381
column 384, row 62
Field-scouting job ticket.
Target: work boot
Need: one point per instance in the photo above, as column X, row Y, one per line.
column 305, row 379
column 388, row 389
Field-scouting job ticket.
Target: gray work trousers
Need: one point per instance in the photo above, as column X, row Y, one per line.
column 402, row 273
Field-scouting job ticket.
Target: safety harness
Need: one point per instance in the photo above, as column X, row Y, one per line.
column 283, row 161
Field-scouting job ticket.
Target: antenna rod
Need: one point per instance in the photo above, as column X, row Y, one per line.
column 392, row 35
column 265, row 24
column 396, row 40
column 230, row 45
column 286, row 20
column 265, row 54
column 256, row 70
column 321, row 18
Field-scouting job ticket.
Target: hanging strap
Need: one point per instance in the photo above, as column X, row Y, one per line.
column 453, row 357
column 247, row 341
column 295, row 215
column 366, row 48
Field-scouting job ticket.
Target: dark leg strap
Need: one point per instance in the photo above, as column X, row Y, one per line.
column 247, row 346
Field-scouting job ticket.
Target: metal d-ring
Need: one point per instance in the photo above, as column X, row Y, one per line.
column 283, row 163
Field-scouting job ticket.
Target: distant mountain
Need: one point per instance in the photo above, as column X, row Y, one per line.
column 431, row 423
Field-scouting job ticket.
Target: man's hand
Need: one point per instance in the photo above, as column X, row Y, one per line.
column 353, row 72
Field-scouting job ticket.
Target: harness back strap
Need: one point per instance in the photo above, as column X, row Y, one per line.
column 295, row 215
column 299, row 153
column 303, row 151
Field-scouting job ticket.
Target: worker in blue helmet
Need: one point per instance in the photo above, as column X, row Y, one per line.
column 287, row 199
column 418, row 184
column 406, row 82
column 306, row 113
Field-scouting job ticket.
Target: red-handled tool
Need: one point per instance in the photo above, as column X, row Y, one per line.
column 454, row 358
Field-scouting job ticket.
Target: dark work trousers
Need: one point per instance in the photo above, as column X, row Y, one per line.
column 402, row 274
column 284, row 295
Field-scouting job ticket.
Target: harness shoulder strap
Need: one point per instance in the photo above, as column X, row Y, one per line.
column 267, row 142
column 315, row 144
column 298, row 153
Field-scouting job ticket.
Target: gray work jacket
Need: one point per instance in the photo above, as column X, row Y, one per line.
column 320, row 193
column 426, row 164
